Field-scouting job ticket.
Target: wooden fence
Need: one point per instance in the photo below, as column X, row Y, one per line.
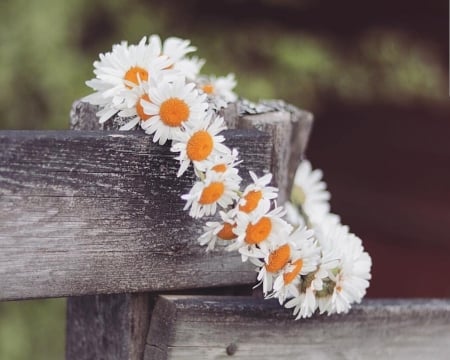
column 97, row 217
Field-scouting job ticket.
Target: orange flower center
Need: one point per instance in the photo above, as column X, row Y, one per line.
column 226, row 233
column 278, row 258
column 212, row 193
column 140, row 109
column 251, row 201
column 220, row 168
column 256, row 233
column 136, row 75
column 199, row 146
column 174, row 112
column 290, row 276
column 208, row 89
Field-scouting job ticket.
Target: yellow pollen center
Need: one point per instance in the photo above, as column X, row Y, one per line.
column 226, row 233
column 220, row 168
column 174, row 112
column 290, row 276
column 208, row 89
column 256, row 233
column 212, row 193
column 199, row 146
column 136, row 75
column 251, row 201
column 140, row 109
column 278, row 258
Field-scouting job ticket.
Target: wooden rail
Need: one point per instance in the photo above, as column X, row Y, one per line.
column 85, row 212
column 199, row 327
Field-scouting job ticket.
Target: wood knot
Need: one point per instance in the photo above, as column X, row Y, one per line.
column 231, row 349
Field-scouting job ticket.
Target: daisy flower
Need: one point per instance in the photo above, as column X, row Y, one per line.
column 131, row 110
column 258, row 233
column 226, row 165
column 310, row 193
column 123, row 68
column 305, row 259
column 305, row 304
column 200, row 144
column 189, row 67
column 218, row 231
column 257, row 195
column 206, row 195
column 173, row 48
column 172, row 107
column 219, row 89
column 347, row 281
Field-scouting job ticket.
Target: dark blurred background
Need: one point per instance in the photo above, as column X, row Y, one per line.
column 375, row 74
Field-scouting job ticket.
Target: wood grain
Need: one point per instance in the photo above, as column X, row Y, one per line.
column 94, row 212
column 190, row 327
column 107, row 326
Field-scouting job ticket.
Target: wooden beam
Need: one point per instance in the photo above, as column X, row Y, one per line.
column 107, row 326
column 89, row 212
column 191, row 327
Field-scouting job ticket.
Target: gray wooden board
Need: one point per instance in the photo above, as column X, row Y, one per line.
column 107, row 326
column 89, row 212
column 191, row 327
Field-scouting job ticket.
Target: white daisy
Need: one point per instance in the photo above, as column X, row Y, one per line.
column 174, row 48
column 226, row 164
column 310, row 192
column 218, row 231
column 316, row 285
column 200, row 144
column 258, row 232
column 123, row 68
column 189, row 67
column 305, row 304
column 258, row 195
column 347, row 280
column 132, row 109
column 206, row 195
column 304, row 261
column 273, row 262
column 174, row 106
column 219, row 89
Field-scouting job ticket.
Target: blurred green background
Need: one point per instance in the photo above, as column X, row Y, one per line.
column 337, row 59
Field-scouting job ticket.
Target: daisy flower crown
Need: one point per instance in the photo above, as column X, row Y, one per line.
column 303, row 255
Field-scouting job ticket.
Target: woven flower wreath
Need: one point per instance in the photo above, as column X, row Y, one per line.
column 304, row 256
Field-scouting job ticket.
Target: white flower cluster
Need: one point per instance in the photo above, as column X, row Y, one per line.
column 305, row 258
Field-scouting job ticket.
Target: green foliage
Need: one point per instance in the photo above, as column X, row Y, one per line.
column 32, row 330
column 48, row 47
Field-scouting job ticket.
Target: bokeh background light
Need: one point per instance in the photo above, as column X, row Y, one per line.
column 375, row 75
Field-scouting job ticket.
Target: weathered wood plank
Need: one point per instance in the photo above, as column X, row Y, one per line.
column 190, row 327
column 95, row 212
column 107, row 326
